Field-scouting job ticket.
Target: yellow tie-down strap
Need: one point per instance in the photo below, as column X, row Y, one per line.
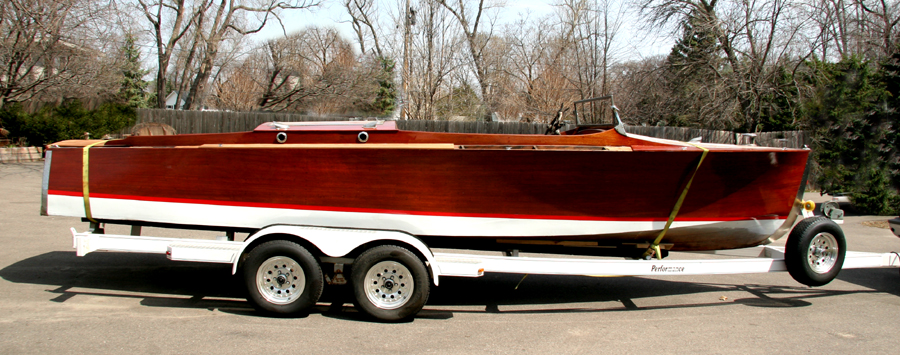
column 654, row 248
column 84, row 179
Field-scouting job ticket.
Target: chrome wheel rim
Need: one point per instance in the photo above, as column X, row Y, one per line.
column 823, row 253
column 389, row 285
column 280, row 280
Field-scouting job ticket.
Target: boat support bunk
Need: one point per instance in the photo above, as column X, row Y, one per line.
column 392, row 270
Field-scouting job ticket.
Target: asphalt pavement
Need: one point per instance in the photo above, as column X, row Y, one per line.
column 52, row 302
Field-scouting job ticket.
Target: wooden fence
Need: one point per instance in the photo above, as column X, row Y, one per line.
column 683, row 134
column 781, row 139
column 187, row 122
column 190, row 122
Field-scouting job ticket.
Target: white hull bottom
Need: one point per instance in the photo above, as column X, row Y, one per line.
column 424, row 225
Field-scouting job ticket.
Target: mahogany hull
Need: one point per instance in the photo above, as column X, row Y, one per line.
column 475, row 195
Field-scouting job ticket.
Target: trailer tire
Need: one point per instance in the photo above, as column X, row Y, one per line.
column 814, row 252
column 282, row 278
column 390, row 283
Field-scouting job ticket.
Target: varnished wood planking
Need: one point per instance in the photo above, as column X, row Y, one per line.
column 605, row 184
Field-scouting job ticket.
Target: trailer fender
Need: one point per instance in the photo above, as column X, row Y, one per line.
column 338, row 242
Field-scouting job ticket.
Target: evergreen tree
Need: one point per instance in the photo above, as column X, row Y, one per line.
column 691, row 70
column 133, row 87
column 697, row 51
column 462, row 101
column 890, row 110
column 853, row 121
column 386, row 96
column 781, row 107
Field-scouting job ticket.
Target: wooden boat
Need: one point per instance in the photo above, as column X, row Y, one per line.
column 594, row 190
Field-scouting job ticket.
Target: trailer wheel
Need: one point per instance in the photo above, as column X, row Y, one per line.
column 390, row 283
column 814, row 252
column 282, row 278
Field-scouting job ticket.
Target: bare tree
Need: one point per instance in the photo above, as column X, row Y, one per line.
column 50, row 47
column 229, row 20
column 363, row 18
column 314, row 70
column 846, row 28
column 185, row 63
column 433, row 55
column 169, row 20
column 608, row 22
column 757, row 39
column 471, row 18
column 533, row 77
column 884, row 16
column 641, row 91
column 593, row 25
column 837, row 27
column 239, row 88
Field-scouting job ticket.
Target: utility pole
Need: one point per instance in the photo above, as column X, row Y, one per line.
column 404, row 96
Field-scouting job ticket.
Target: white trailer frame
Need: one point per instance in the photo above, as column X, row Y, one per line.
column 336, row 243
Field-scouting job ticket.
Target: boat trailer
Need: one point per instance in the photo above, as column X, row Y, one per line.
column 282, row 276
column 759, row 259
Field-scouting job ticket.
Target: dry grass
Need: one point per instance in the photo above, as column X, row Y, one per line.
column 876, row 224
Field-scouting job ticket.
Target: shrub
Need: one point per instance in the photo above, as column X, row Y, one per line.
column 69, row 120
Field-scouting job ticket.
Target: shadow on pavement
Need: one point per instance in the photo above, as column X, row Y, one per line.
column 159, row 282
column 885, row 280
column 150, row 277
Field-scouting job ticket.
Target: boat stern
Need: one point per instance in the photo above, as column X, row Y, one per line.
column 45, row 181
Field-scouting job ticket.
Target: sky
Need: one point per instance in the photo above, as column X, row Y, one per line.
column 632, row 42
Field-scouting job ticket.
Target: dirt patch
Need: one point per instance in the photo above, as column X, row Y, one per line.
column 876, row 224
